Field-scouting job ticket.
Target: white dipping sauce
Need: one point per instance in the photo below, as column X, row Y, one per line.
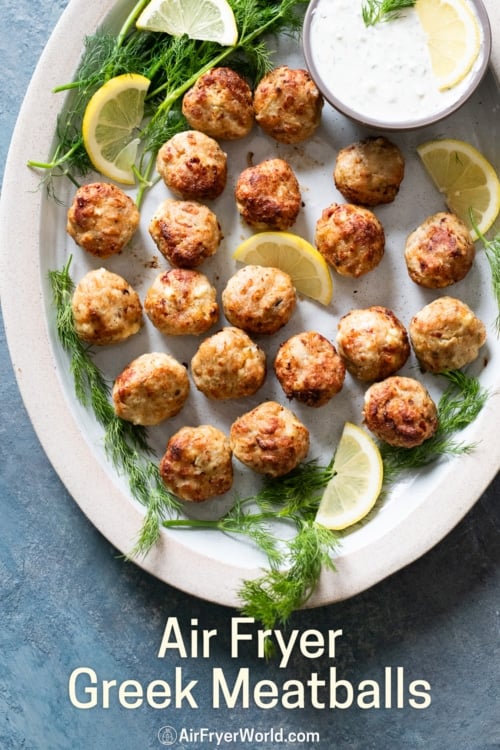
column 382, row 72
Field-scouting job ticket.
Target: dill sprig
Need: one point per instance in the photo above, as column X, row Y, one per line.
column 126, row 445
column 458, row 407
column 492, row 252
column 375, row 11
column 173, row 64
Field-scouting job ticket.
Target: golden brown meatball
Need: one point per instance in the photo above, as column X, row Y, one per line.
column 288, row 104
column 350, row 238
column 400, row 411
column 102, row 219
column 268, row 195
column 185, row 232
column 197, row 463
column 228, row 365
column 369, row 172
column 193, row 166
column 152, row 388
column 446, row 335
column 182, row 301
column 220, row 105
column 440, row 251
column 269, row 439
column 309, row 369
column 259, row 299
column 372, row 342
column 106, row 310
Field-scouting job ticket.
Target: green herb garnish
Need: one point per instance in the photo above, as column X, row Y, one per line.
column 173, row 64
column 375, row 11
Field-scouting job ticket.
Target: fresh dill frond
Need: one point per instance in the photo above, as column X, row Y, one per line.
column 376, row 11
column 274, row 596
column 125, row 444
column 492, row 252
column 458, row 407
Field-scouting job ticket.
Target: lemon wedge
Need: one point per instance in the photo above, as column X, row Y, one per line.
column 111, row 117
column 352, row 492
column 467, row 180
column 294, row 255
column 207, row 20
column 453, row 38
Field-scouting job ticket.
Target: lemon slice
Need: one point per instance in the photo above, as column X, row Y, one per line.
column 111, row 117
column 291, row 253
column 466, row 179
column 208, row 20
column 453, row 38
column 352, row 492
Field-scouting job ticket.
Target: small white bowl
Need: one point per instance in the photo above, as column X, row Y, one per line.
column 322, row 35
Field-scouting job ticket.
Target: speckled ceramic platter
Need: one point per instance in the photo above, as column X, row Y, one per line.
column 418, row 511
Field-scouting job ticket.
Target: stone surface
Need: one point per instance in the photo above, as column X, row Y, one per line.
column 67, row 600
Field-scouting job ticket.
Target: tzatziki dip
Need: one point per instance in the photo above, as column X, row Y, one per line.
column 381, row 72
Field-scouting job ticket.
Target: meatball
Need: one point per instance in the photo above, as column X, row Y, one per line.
column 288, row 105
column 185, row 232
column 193, row 166
column 152, row 388
column 259, row 299
column 369, row 172
column 106, row 310
column 182, row 301
column 372, row 342
column 268, row 195
column 446, row 335
column 309, row 369
column 228, row 365
column 400, row 411
column 440, row 251
column 197, row 463
column 102, row 219
column 350, row 238
column 269, row 439
column 220, row 105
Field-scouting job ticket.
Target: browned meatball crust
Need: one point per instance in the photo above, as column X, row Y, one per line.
column 369, row 172
column 106, row 309
column 185, row 232
column 350, row 238
column 259, row 299
column 309, row 369
column 193, row 166
column 269, row 439
column 152, row 388
column 102, row 219
column 268, row 195
column 446, row 335
column 197, row 463
column 288, row 104
column 400, row 411
column 182, row 302
column 228, row 365
column 220, row 105
column 372, row 342
column 440, row 251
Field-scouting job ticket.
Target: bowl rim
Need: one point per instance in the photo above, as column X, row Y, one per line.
column 397, row 125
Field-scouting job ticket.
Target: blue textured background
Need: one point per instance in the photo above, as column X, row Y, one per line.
column 67, row 600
